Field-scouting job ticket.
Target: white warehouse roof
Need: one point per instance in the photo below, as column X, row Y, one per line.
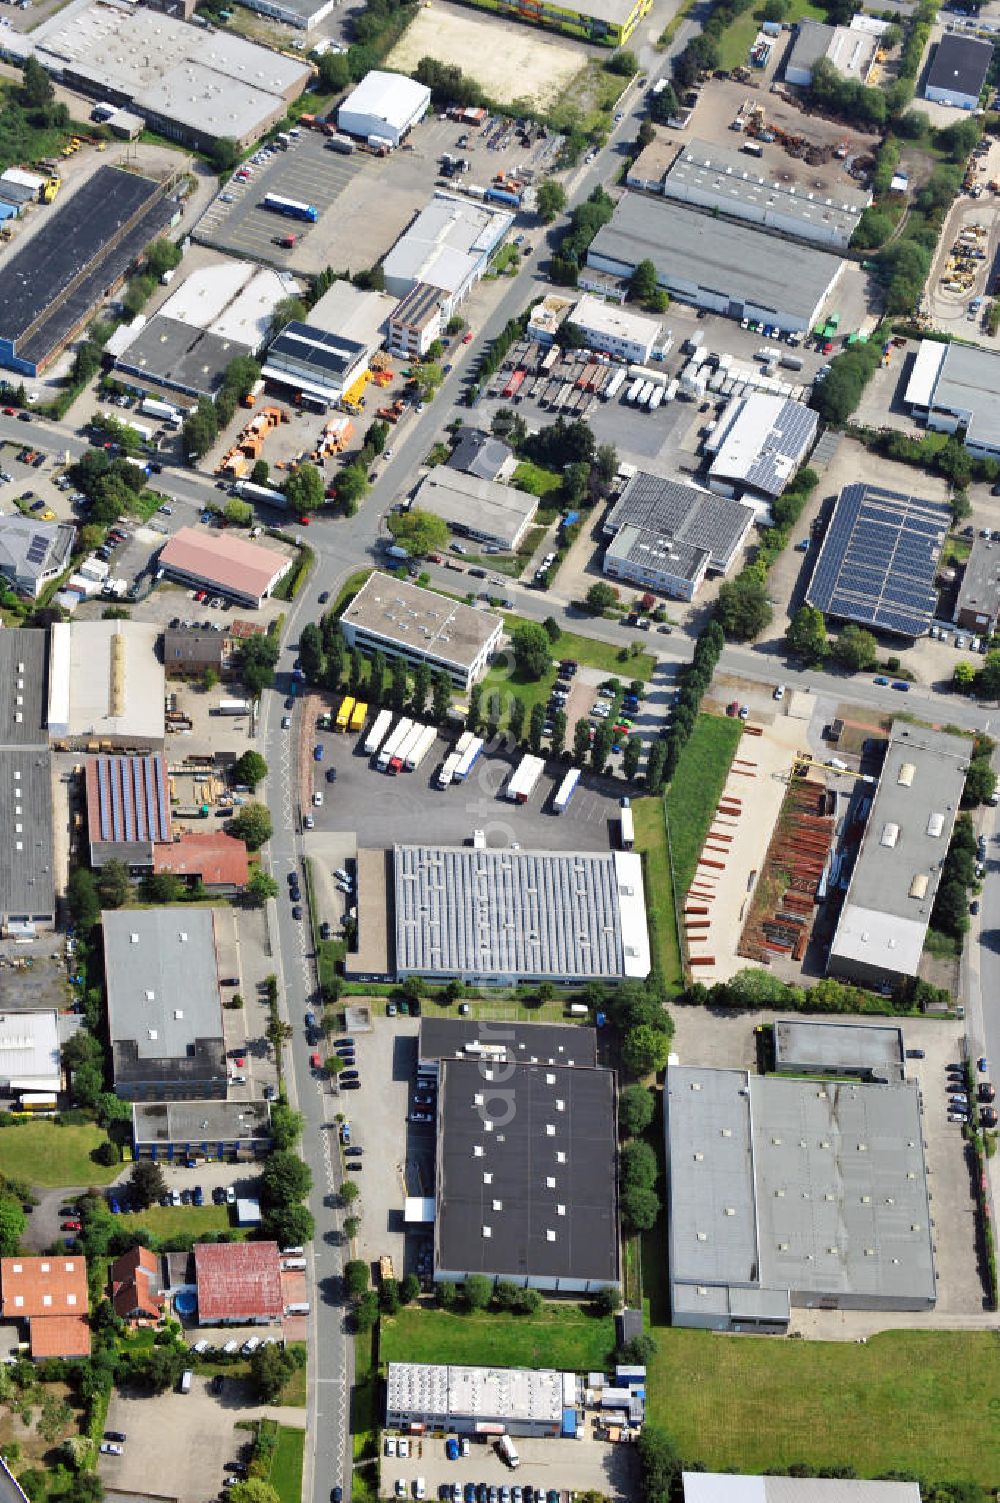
column 391, row 97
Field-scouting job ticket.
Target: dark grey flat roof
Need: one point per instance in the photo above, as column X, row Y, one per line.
column 980, row 587
column 194, row 1123
column 830, row 1047
column 169, row 352
column 23, row 694
column 535, row 1193
column 27, row 889
column 960, row 63
column 72, row 242
column 548, row 1043
column 675, row 510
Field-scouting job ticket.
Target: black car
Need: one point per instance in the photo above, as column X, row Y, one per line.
column 290, row 702
column 324, row 597
column 118, row 1435
column 331, row 774
column 324, row 930
column 337, row 1493
column 344, row 1044
column 353, row 1152
column 349, row 1085
column 293, row 879
column 296, row 912
column 355, row 1166
column 477, row 573
column 482, row 1493
column 349, row 1075
column 218, row 1196
column 295, row 893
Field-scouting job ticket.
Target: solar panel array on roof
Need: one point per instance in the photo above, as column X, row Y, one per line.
column 133, row 801
column 879, row 559
column 774, row 463
column 37, row 548
column 315, row 347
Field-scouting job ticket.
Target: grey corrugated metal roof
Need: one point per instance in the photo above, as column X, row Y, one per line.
column 969, row 382
column 960, row 63
column 682, row 512
column 461, row 911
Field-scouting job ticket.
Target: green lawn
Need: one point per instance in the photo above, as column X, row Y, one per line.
column 651, row 840
column 173, row 1221
column 700, row 778
column 913, row 1401
column 48, row 1155
column 737, row 39
column 562, row 1336
column 294, row 1391
column 286, row 1464
column 533, row 478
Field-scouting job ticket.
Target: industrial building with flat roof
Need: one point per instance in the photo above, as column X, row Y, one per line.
column 169, row 1130
column 666, row 535
column 790, row 1193
column 609, row 22
column 525, row 1181
column 32, row 553
column 387, row 105
column 730, row 1487
column 477, row 1400
column 651, row 165
column 128, row 809
column 758, row 444
column 305, row 14
column 878, row 562
column 724, row 180
column 880, row 935
column 494, row 514
column 325, row 354
column 958, row 71
column 727, row 268
column 448, row 246
column 851, row 52
column 164, row 1005
column 955, row 388
column 193, row 84
column 402, row 620
column 30, row 1052
column 224, row 563
column 867, row 1050
column 217, row 313
column 27, row 884
column 977, row 608
column 615, row 330
column 106, row 685
column 82, row 251
column 496, row 917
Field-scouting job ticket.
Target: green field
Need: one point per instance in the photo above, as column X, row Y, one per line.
column 737, row 39
column 694, row 793
column 651, row 840
column 176, row 1221
column 533, row 478
column 45, row 1154
column 562, row 1336
column 914, row 1401
column 286, row 1464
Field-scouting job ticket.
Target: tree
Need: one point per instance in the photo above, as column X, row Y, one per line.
column 250, row 769
column 256, row 665
column 224, row 154
column 532, row 650
column 664, row 105
column 631, row 758
column 397, row 696
column 963, row 675
column 376, row 436
column 352, row 1225
column 515, row 718
column 426, row 378
column 474, row 719
column 640, row 1207
column 290, row 1226
column 36, row 86
column 644, row 1050
column 624, row 63
column 355, row 1277
column 82, row 900
column 951, row 909
column 350, row 485
column 552, row 629
column 260, row 472
column 600, row 747
column 252, row 825
column 419, row 532
column 659, row 1467
column 637, row 1164
column 550, row 199
column 806, row 635
column 114, row 884
column 388, row 1297
column 285, row 1179
column 980, row 782
column 440, row 696
column 600, row 598
column 742, row 608
column 635, row 1110
column 201, row 429
column 146, row 1183
column 12, row 1225
column 855, row 649
column 366, row 1312
column 581, row 742
column 238, row 513
column 163, row 887
column 536, row 724
column 334, row 72
column 271, row 1367
column 558, row 738
column 304, row 488
column 409, row 1289
column 260, row 888
column 477, row 1291
column 642, row 283
column 421, row 688
column 286, row 1126
column 162, row 255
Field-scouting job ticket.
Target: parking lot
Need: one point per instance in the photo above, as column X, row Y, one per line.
column 582, row 1465
column 364, row 202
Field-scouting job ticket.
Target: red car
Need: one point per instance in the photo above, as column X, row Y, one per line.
column 467, row 338
column 8, row 412
column 304, row 521
column 315, row 1062
column 72, row 1226
column 433, row 558
column 828, row 347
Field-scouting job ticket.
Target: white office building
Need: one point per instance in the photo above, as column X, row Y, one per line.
column 615, row 330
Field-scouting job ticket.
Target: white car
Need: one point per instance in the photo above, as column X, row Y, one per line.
column 779, row 692
column 400, row 1488
column 419, row 1487
column 111, row 1448
column 403, row 1446
column 390, row 1445
column 318, row 800
column 308, row 823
